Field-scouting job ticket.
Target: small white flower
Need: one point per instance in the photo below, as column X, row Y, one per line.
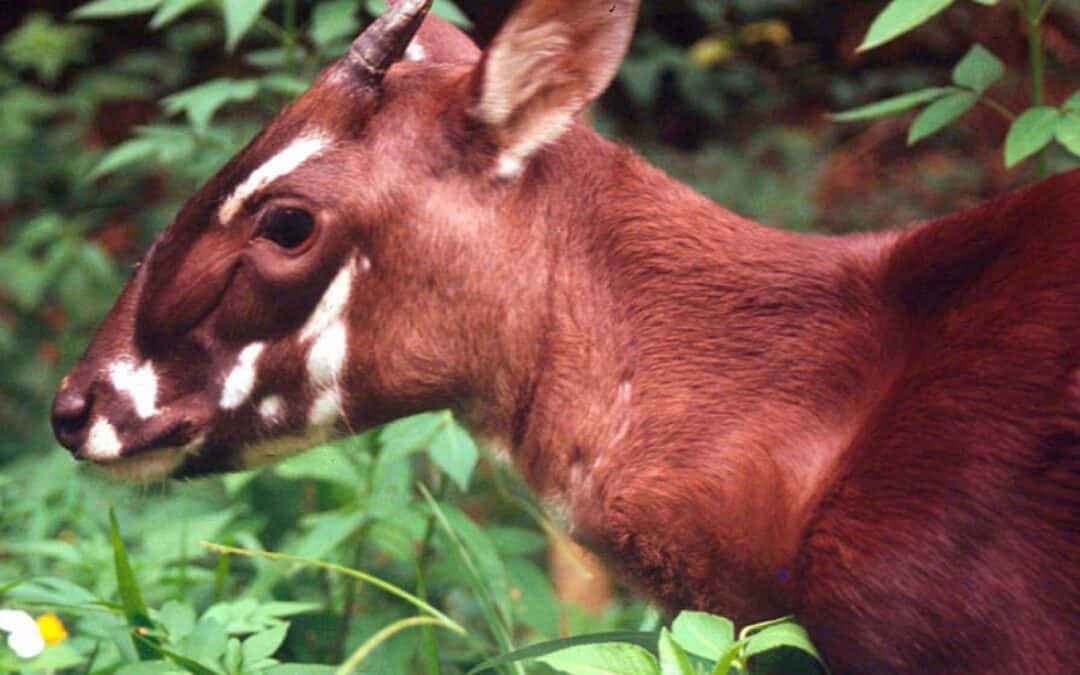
column 24, row 636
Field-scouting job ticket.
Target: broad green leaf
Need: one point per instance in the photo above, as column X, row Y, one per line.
column 45, row 46
column 1067, row 132
column 403, row 437
column 333, row 20
column 103, row 9
column 1031, row 132
column 644, row 640
column 788, row 634
column 262, row 645
column 516, row 541
column 673, row 660
column 891, row 106
column 202, row 101
column 53, row 658
column 978, row 69
column 478, row 552
column 240, row 16
column 900, row 16
column 170, row 10
column 1072, row 104
column 614, row 658
column 940, row 113
column 177, row 618
column 455, row 452
column 284, row 83
column 705, row 635
column 532, row 597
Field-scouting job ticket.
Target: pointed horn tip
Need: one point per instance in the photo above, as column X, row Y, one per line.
column 383, row 42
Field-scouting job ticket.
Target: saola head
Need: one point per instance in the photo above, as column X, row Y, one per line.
column 370, row 254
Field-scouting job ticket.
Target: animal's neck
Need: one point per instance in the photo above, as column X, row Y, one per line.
column 697, row 375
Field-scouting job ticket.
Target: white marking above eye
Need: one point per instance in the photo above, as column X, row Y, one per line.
column 281, row 164
column 141, row 384
column 241, row 380
column 103, row 444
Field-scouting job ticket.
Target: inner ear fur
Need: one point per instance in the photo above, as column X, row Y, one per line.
column 550, row 60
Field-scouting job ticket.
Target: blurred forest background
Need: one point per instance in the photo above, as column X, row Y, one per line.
column 111, row 117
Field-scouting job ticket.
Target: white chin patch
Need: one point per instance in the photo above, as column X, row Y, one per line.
column 152, row 466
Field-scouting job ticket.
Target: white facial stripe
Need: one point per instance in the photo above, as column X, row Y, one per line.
column 102, row 444
column 281, row 164
column 331, row 307
column 327, row 331
column 139, row 383
column 241, row 381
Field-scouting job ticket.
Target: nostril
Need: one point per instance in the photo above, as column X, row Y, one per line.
column 70, row 413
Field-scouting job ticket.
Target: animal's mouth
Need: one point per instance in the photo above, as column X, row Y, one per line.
column 153, row 452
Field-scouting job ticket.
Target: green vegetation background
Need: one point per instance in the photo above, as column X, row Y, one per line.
column 108, row 122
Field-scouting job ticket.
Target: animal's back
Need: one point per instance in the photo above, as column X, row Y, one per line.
column 954, row 519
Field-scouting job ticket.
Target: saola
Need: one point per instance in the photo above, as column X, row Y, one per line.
column 879, row 433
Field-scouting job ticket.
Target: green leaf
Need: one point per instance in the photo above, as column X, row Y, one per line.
column 105, row 9
column 899, row 17
column 455, row 452
column 263, row 645
column 532, row 598
column 202, row 101
column 705, row 635
column 1031, row 132
column 1067, row 133
column 403, row 437
column 788, row 634
column 1072, row 104
column 333, row 20
column 978, row 69
column 45, row 46
column 673, row 660
column 614, row 658
column 170, row 10
column 130, row 597
column 891, row 106
column 240, row 16
column 988, row 3
column 53, row 658
column 644, row 640
column 940, row 113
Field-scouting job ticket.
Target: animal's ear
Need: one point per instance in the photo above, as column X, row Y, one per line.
column 440, row 41
column 549, row 61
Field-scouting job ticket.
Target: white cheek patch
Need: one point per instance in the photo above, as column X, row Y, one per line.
column 241, row 380
column 281, row 164
column 102, row 443
column 326, row 409
column 141, row 384
column 326, row 359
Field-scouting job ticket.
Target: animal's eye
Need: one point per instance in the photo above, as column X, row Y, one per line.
column 287, row 227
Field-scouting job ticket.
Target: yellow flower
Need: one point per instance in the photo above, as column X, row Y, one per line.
column 711, row 51
column 52, row 628
column 770, row 32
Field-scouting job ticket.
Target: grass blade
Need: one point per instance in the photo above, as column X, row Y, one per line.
column 383, row 635
column 130, row 597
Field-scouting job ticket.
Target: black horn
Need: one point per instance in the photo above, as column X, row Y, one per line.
column 385, row 40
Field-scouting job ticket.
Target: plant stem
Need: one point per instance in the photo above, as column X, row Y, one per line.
column 290, row 34
column 1037, row 63
column 998, row 107
column 428, row 647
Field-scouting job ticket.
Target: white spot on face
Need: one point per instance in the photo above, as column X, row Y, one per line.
column 326, row 410
column 140, row 384
column 281, row 164
column 415, row 51
column 241, row 380
column 365, row 263
column 271, row 409
column 510, row 166
column 102, row 444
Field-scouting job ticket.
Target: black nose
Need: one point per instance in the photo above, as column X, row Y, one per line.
column 70, row 413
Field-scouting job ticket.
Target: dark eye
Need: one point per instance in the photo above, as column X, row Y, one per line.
column 286, row 227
